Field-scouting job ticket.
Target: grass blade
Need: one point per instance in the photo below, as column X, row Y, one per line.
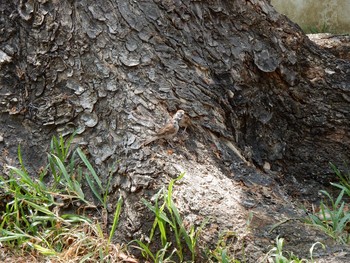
column 115, row 219
column 45, row 251
column 10, row 236
column 94, row 190
column 40, row 208
column 91, row 169
column 146, row 252
column 63, row 170
column 24, row 177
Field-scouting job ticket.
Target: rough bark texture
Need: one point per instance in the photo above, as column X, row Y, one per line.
column 267, row 105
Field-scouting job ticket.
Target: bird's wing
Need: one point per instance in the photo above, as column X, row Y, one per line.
column 169, row 128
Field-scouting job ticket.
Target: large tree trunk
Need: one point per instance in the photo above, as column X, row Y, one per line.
column 267, row 105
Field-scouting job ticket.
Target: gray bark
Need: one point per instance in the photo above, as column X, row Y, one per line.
column 260, row 94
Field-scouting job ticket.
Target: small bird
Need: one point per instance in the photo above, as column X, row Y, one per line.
column 169, row 130
column 185, row 122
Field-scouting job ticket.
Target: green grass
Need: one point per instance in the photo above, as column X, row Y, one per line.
column 68, row 172
column 222, row 251
column 333, row 217
column 42, row 217
column 277, row 255
column 178, row 243
column 344, row 179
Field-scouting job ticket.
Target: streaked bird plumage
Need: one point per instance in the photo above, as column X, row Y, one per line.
column 169, row 130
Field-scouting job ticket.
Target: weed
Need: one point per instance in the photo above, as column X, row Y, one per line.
column 276, row 254
column 344, row 179
column 333, row 217
column 115, row 219
column 168, row 219
column 69, row 173
column 34, row 219
column 222, row 252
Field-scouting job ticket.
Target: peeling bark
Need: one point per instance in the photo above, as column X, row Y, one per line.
column 259, row 93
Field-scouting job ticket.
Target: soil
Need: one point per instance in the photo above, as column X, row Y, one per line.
column 256, row 206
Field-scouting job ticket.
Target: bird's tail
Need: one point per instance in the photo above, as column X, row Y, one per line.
column 148, row 141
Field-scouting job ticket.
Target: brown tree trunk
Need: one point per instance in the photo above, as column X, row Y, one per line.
column 259, row 93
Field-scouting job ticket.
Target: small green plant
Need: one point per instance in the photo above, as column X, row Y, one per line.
column 168, row 220
column 59, row 149
column 91, row 182
column 333, row 218
column 222, row 251
column 344, row 179
column 35, row 214
column 115, row 219
column 68, row 172
column 162, row 255
column 30, row 211
column 225, row 249
column 276, row 254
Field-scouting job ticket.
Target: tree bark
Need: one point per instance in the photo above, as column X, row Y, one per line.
column 266, row 104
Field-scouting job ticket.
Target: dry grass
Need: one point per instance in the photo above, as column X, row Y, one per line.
column 83, row 243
